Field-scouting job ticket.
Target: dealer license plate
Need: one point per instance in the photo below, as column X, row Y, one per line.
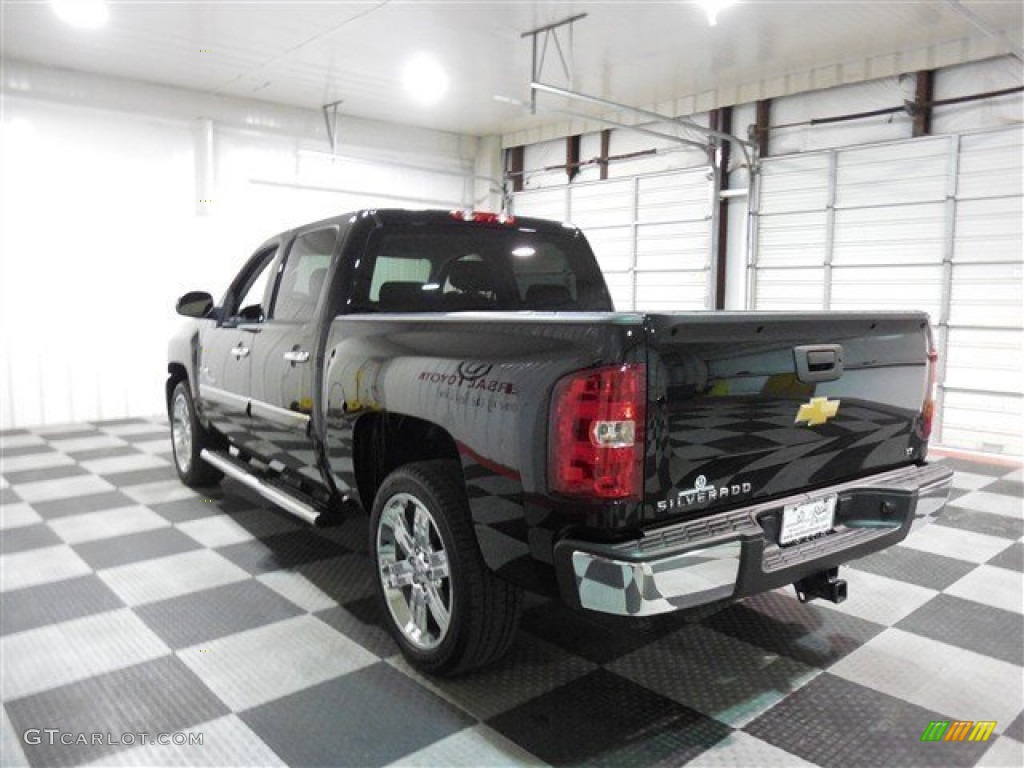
column 809, row 518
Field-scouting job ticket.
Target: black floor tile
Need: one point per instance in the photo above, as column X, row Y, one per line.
column 25, row 450
column 597, row 637
column 981, row 522
column 967, row 624
column 914, row 566
column 284, row 550
column 976, row 467
column 201, row 616
column 834, row 722
column 27, row 537
column 32, row 607
column 1012, row 557
column 360, row 620
column 1006, row 488
column 77, row 505
column 118, row 422
column 73, row 435
column 815, row 636
column 133, row 547
column 8, row 496
column 40, row 475
column 1015, row 730
column 159, row 696
column 370, row 717
column 13, row 432
column 140, row 476
column 604, row 719
column 111, row 452
column 183, row 510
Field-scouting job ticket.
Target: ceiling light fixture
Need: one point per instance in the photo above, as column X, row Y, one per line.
column 86, row 14
column 713, row 7
column 424, row 79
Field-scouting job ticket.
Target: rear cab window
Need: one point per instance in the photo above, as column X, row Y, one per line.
column 452, row 268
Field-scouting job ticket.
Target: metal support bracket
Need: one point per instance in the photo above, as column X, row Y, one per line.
column 331, row 121
column 540, row 37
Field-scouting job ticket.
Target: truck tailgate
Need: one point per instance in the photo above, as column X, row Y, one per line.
column 744, row 407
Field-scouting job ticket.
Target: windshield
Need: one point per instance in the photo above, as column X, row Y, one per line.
column 474, row 268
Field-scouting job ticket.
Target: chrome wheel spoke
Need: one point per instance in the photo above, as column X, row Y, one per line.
column 421, row 528
column 438, row 609
column 418, row 606
column 437, row 565
column 402, row 536
column 398, row 574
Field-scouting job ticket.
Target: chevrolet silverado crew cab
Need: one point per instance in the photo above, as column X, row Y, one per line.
column 464, row 378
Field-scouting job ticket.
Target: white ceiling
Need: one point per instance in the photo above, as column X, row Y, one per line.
column 641, row 53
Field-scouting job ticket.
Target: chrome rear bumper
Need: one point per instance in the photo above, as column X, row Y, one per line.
column 736, row 553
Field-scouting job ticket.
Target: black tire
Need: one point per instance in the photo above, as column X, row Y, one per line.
column 189, row 443
column 483, row 610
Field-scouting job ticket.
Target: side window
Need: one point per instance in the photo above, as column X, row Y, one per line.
column 304, row 275
column 249, row 304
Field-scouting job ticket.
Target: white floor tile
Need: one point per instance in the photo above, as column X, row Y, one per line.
column 11, row 464
column 20, row 441
column 221, row 530
column 139, row 428
column 76, row 529
column 65, row 488
column 997, row 587
column 40, row 566
column 967, row 481
column 878, row 598
column 297, row 588
column 17, row 515
column 1005, row 753
column 165, row 577
column 742, row 749
column 993, row 503
column 469, row 748
column 226, row 741
column 154, row 446
column 123, row 463
column 56, row 429
column 957, row 543
column 91, row 443
column 45, row 658
column 158, row 493
column 936, row 676
column 269, row 662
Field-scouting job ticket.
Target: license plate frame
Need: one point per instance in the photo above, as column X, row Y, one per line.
column 807, row 519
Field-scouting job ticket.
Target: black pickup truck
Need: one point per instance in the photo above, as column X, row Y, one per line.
column 464, row 378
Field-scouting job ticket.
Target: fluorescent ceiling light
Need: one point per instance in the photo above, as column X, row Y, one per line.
column 713, row 7
column 86, row 14
column 424, row 79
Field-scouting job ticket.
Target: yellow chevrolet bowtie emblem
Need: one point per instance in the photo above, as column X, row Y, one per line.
column 818, row 411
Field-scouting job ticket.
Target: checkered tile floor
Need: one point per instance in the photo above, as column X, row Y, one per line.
column 131, row 604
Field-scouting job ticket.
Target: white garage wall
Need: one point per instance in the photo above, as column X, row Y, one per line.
column 100, row 232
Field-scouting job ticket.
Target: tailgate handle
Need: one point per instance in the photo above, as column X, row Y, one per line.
column 819, row 362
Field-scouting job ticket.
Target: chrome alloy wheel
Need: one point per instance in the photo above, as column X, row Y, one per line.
column 413, row 567
column 181, row 432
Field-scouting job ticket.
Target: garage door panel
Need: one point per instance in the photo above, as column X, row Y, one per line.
column 983, row 422
column 991, row 164
column 798, row 289
column 987, row 295
column 888, row 288
column 684, row 196
column 794, row 239
column 671, row 291
column 985, row 360
column 620, row 286
column 892, row 174
column 989, row 230
column 794, row 183
column 685, row 245
column 613, row 247
column 901, row 234
column 601, row 204
column 542, row 204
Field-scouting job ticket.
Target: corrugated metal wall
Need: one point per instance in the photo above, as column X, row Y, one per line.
column 931, row 223
column 652, row 234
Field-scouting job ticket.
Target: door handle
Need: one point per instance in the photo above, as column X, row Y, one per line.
column 817, row 363
column 240, row 351
column 296, row 355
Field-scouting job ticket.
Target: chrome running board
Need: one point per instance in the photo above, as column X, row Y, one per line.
column 237, row 470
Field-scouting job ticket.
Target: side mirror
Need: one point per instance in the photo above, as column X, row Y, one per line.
column 195, row 304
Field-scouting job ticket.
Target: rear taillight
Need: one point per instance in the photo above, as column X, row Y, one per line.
column 596, row 444
column 928, row 409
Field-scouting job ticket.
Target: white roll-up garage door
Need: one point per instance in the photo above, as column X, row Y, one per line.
column 652, row 234
column 931, row 223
